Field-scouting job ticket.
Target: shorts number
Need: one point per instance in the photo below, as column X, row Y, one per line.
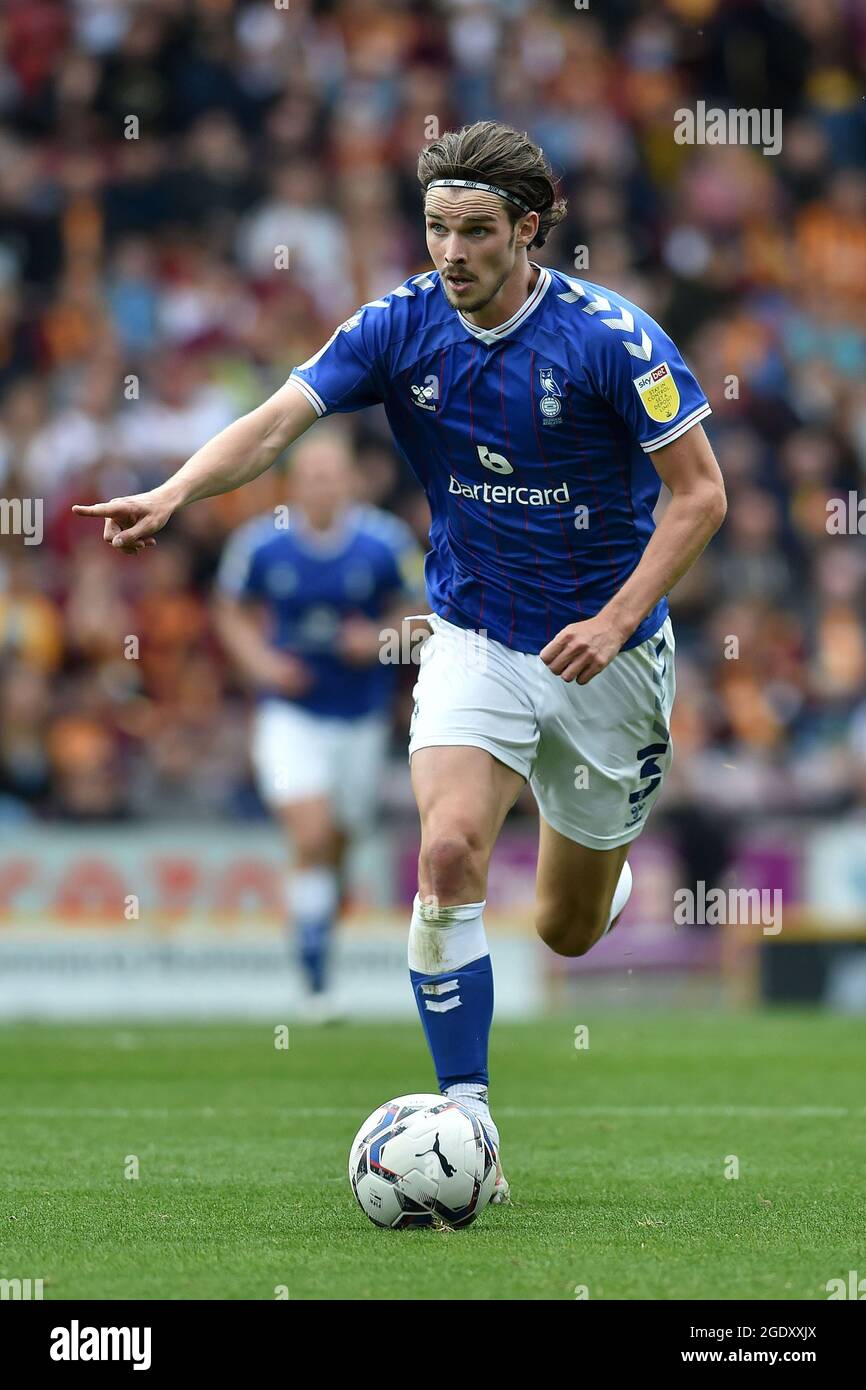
column 649, row 769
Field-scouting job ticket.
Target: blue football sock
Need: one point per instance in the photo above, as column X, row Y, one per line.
column 455, row 1000
column 313, row 901
column 313, row 935
column 456, row 1013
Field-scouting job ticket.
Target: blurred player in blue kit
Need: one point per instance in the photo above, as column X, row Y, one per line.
column 302, row 609
column 540, row 412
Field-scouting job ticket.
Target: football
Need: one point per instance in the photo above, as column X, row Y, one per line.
column 422, row 1160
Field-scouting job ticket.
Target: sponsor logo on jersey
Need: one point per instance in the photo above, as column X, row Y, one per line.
column 499, row 493
column 658, row 393
column 549, row 405
column 426, row 397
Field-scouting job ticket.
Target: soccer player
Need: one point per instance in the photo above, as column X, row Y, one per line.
column 327, row 585
column 540, row 412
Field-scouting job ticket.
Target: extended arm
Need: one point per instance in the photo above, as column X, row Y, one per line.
column 262, row 665
column 233, row 457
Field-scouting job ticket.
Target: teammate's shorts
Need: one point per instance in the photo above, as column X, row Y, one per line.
column 297, row 755
column 595, row 755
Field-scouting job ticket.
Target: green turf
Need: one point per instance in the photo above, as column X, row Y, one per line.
column 616, row 1156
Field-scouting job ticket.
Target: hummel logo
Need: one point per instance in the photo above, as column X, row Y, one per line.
column 446, row 1166
column 427, row 395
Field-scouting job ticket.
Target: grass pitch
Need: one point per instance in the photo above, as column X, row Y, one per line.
column 616, row 1154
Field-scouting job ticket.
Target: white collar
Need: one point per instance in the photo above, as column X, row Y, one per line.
column 502, row 330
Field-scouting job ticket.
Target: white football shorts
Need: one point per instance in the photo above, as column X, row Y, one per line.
column 297, row 755
column 595, row 755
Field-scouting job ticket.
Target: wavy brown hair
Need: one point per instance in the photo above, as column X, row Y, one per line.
column 494, row 153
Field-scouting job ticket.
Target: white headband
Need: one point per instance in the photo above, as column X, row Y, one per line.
column 487, row 187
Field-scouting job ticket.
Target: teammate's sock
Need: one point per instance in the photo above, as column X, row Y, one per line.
column 313, row 904
column 621, row 895
column 452, row 979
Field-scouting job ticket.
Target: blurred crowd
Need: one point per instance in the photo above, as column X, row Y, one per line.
column 192, row 195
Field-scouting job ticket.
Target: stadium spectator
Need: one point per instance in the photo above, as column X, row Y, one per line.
column 157, row 281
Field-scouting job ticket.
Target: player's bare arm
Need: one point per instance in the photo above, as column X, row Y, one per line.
column 235, row 456
column 695, row 512
column 265, row 668
column 359, row 640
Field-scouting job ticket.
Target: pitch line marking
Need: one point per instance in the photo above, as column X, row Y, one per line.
column 506, row 1111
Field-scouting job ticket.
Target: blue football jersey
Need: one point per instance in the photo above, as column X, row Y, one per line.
column 309, row 584
column 532, row 441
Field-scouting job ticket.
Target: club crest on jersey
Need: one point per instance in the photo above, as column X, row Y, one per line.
column 426, row 396
column 658, row 393
column 549, row 405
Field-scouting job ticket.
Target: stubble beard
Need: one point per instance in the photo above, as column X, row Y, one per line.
column 477, row 304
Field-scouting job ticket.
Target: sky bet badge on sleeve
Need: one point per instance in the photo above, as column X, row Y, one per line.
column 658, row 392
